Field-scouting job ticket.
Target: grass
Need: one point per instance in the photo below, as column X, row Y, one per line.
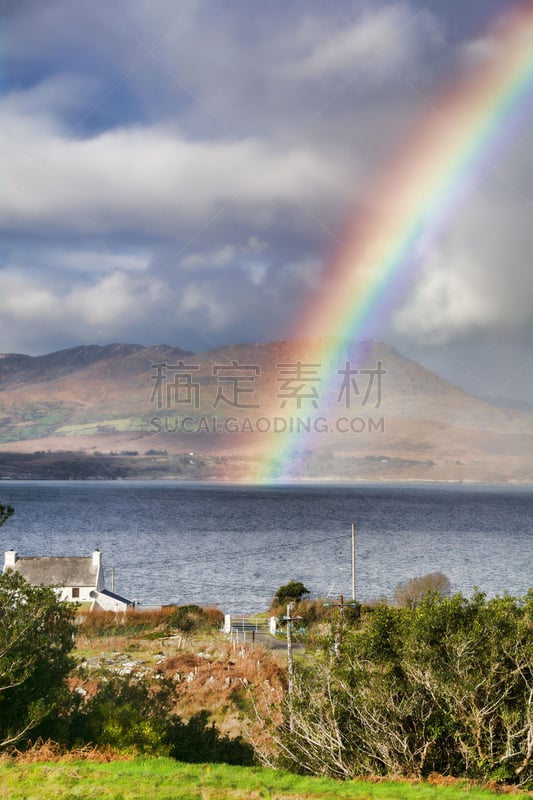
column 104, row 425
column 164, row 779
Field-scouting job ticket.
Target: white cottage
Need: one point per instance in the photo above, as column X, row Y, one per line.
column 74, row 578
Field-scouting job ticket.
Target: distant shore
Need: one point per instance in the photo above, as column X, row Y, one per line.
column 42, row 465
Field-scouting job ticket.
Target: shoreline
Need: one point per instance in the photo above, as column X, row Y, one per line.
column 299, row 483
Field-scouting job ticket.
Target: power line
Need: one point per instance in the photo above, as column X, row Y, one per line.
column 261, row 551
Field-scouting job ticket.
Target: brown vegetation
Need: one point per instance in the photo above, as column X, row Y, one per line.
column 207, row 672
column 224, row 679
column 410, row 594
column 157, row 622
column 52, row 752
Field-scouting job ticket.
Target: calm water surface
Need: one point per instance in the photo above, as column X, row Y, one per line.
column 234, row 545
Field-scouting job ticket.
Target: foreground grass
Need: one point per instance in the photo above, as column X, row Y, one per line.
column 164, row 779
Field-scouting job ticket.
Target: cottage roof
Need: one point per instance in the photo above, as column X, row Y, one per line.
column 57, row 570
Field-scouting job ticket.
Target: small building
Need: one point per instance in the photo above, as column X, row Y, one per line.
column 75, row 579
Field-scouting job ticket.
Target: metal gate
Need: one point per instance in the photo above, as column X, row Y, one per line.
column 249, row 624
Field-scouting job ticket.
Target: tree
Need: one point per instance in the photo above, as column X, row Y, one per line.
column 128, row 712
column 291, row 591
column 36, row 639
column 410, row 594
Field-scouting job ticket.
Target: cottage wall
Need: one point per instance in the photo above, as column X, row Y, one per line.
column 75, row 594
column 73, row 578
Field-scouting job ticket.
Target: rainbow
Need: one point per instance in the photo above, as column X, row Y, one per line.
column 412, row 201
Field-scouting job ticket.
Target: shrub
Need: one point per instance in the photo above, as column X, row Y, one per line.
column 36, row 639
column 411, row 593
column 189, row 618
column 159, row 622
column 198, row 741
column 444, row 687
column 110, row 623
column 127, row 713
column 135, row 713
column 293, row 591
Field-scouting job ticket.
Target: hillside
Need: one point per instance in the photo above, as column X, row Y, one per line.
column 111, row 405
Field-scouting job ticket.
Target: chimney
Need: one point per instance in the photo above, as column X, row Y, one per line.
column 97, row 564
column 10, row 559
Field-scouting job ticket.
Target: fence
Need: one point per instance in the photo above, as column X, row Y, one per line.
column 250, row 625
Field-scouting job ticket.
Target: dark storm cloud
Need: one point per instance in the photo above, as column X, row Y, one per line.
column 182, row 172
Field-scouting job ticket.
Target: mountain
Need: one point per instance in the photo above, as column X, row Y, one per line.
column 224, row 413
column 16, row 368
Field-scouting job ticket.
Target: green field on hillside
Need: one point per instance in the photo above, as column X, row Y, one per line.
column 119, row 424
column 164, row 779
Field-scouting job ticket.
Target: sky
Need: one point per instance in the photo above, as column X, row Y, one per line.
column 181, row 172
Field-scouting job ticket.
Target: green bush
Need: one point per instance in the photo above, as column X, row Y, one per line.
column 189, row 618
column 136, row 713
column 36, row 640
column 128, row 713
column 150, row 624
column 198, row 741
column 444, row 687
column 293, row 591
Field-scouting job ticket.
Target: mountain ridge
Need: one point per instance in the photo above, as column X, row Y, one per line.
column 72, row 359
column 105, row 398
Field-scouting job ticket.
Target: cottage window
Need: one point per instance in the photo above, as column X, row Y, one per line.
column 75, row 592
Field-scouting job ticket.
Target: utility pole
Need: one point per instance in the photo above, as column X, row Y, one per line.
column 341, row 605
column 290, row 661
column 353, row 560
column 341, row 610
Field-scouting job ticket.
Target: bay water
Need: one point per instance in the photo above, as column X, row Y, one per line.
column 233, row 546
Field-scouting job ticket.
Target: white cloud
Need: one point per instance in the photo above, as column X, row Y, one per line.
column 479, row 278
column 214, row 258
column 24, row 300
column 97, row 261
column 31, row 310
column 478, row 52
column 223, row 256
column 148, row 179
column 449, row 299
column 305, row 273
column 113, row 299
column 48, row 100
column 382, row 38
column 200, row 302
